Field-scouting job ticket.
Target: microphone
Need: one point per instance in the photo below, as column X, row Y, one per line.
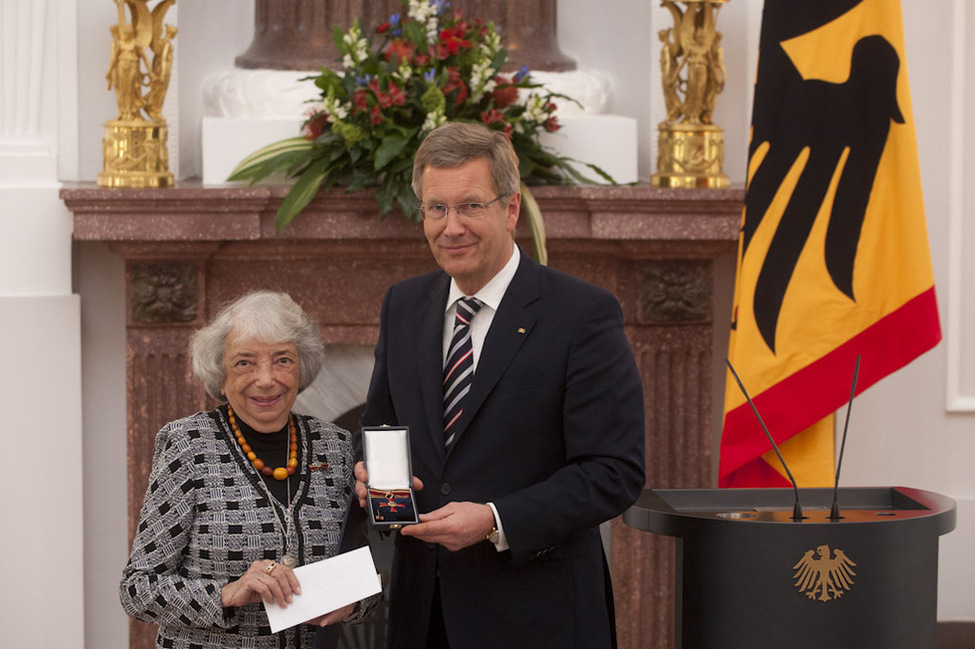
column 834, row 512
column 797, row 509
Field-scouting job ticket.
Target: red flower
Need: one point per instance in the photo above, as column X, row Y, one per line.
column 452, row 41
column 552, row 124
column 456, row 83
column 400, row 48
column 397, row 95
column 315, row 125
column 382, row 98
column 504, row 94
column 491, row 117
column 376, row 115
column 359, row 100
column 382, row 29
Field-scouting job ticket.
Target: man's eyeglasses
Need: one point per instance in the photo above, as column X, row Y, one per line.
column 439, row 211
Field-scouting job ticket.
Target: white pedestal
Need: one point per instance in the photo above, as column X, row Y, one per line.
column 607, row 141
column 228, row 140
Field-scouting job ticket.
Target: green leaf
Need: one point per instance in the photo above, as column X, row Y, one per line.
column 392, row 146
column 250, row 167
column 338, row 36
column 407, row 201
column 533, row 215
column 385, row 195
column 300, row 195
column 414, row 32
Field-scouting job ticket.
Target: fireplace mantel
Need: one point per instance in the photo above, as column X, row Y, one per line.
column 636, row 216
column 189, row 249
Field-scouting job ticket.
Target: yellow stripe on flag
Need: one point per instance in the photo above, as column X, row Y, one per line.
column 809, row 455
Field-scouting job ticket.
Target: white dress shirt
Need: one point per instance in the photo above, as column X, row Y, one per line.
column 490, row 295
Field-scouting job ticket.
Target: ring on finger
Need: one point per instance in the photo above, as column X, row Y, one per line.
column 269, row 568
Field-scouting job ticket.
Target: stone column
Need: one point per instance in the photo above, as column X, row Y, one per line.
column 42, row 481
column 297, row 34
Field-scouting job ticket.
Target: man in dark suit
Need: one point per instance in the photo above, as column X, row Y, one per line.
column 545, row 445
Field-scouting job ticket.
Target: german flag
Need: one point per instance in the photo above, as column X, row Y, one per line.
column 833, row 257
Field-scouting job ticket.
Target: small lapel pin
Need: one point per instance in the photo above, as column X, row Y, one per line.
column 521, row 330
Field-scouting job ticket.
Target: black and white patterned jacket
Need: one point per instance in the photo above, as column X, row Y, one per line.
column 208, row 515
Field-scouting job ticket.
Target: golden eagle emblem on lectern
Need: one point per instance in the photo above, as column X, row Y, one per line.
column 824, row 577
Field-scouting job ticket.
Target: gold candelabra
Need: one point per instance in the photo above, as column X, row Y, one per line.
column 690, row 150
column 134, row 149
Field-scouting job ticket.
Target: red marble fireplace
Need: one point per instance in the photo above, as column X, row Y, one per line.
column 189, row 249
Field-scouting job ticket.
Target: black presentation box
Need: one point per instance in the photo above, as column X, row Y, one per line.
column 386, row 451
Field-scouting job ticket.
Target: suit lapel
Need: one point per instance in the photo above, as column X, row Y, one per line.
column 429, row 351
column 509, row 330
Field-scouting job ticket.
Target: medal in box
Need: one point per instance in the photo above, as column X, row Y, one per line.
column 386, row 451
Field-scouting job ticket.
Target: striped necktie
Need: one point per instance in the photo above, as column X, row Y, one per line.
column 459, row 369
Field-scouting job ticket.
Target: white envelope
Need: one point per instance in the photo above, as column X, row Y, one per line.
column 327, row 585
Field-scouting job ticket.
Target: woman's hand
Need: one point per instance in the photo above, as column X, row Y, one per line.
column 266, row 581
column 334, row 617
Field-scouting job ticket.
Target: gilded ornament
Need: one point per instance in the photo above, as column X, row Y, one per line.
column 690, row 146
column 134, row 149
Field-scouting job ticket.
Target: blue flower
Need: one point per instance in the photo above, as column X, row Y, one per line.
column 395, row 27
column 429, row 75
column 521, row 74
column 363, row 80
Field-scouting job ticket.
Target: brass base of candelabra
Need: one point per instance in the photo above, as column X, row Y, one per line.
column 690, row 155
column 135, row 154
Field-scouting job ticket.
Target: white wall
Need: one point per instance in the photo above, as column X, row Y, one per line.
column 902, row 432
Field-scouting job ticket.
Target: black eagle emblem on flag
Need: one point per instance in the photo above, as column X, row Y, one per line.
column 838, row 128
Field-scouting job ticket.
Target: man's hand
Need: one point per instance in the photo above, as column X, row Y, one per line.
column 454, row 526
column 362, row 478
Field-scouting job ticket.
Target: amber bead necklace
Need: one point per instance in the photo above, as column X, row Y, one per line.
column 279, row 473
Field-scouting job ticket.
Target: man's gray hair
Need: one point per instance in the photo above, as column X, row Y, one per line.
column 456, row 143
column 266, row 317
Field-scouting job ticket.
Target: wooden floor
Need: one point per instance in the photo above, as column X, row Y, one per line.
column 956, row 635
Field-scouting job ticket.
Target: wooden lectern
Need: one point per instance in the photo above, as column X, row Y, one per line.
column 749, row 576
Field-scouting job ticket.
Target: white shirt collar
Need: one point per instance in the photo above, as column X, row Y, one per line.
column 492, row 292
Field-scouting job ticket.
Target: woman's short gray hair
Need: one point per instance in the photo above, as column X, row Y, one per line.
column 264, row 316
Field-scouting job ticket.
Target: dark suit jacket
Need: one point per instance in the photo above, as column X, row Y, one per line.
column 552, row 434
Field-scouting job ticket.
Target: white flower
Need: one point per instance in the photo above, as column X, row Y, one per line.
column 434, row 119
column 535, row 110
column 334, row 108
column 482, row 79
column 358, row 47
column 425, row 12
column 403, row 73
column 491, row 45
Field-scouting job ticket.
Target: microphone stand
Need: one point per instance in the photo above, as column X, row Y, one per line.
column 834, row 512
column 797, row 509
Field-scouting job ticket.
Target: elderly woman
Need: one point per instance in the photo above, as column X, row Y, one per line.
column 241, row 494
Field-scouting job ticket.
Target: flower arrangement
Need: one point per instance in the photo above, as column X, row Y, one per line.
column 399, row 80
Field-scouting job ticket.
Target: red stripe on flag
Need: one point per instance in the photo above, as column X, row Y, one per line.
column 806, row 396
column 757, row 472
